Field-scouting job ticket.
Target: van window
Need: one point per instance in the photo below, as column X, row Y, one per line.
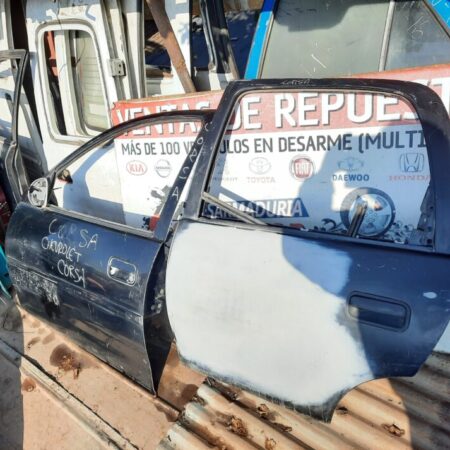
column 417, row 39
column 53, row 81
column 88, row 82
column 157, row 58
column 76, row 93
column 337, row 38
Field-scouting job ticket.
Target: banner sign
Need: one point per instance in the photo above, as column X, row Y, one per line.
column 307, row 159
column 291, row 157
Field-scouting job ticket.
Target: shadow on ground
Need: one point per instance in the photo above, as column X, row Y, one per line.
column 12, row 384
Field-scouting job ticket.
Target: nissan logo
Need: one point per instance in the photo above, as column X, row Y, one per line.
column 163, row 168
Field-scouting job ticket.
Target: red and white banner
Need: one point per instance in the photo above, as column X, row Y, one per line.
column 292, row 157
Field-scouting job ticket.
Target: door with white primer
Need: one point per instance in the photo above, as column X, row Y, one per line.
column 300, row 273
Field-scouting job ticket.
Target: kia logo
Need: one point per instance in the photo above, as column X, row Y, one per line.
column 136, row 168
column 301, row 167
column 259, row 165
column 163, row 168
column 412, row 162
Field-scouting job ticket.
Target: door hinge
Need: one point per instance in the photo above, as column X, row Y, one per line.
column 116, row 67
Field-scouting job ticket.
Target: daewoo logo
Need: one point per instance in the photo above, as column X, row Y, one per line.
column 412, row 162
column 351, row 164
column 136, row 168
column 301, row 167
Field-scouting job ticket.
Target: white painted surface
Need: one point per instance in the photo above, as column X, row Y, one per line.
column 100, row 181
column 133, row 16
column 444, row 343
column 48, row 15
column 281, row 335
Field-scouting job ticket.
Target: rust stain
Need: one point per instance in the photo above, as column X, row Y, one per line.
column 229, row 392
column 270, row 444
column 265, row 413
column 66, row 360
column 49, row 338
column 283, row 427
column 33, row 342
column 237, row 426
column 28, row 385
column 393, row 429
column 198, row 400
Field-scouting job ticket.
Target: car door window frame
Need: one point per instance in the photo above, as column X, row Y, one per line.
column 171, row 202
column 436, row 129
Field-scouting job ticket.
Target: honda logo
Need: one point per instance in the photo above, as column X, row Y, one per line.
column 412, row 162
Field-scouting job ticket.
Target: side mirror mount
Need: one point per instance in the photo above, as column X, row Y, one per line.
column 38, row 193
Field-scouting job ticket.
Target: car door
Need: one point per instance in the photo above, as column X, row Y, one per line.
column 302, row 266
column 90, row 275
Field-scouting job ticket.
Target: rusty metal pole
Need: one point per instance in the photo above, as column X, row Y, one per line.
column 170, row 42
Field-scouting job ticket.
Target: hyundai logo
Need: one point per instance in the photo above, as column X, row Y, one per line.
column 412, row 162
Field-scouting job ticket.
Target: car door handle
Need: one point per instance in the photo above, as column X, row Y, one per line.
column 122, row 271
column 386, row 313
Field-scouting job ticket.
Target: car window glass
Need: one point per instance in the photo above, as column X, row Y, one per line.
column 417, row 38
column 319, row 39
column 126, row 180
column 315, row 161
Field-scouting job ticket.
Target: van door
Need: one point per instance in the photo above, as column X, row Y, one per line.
column 313, row 253
column 78, row 73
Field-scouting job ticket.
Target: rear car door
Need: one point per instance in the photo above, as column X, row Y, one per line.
column 91, row 275
column 313, row 253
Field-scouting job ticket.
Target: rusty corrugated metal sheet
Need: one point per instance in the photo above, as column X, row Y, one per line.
column 383, row 414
